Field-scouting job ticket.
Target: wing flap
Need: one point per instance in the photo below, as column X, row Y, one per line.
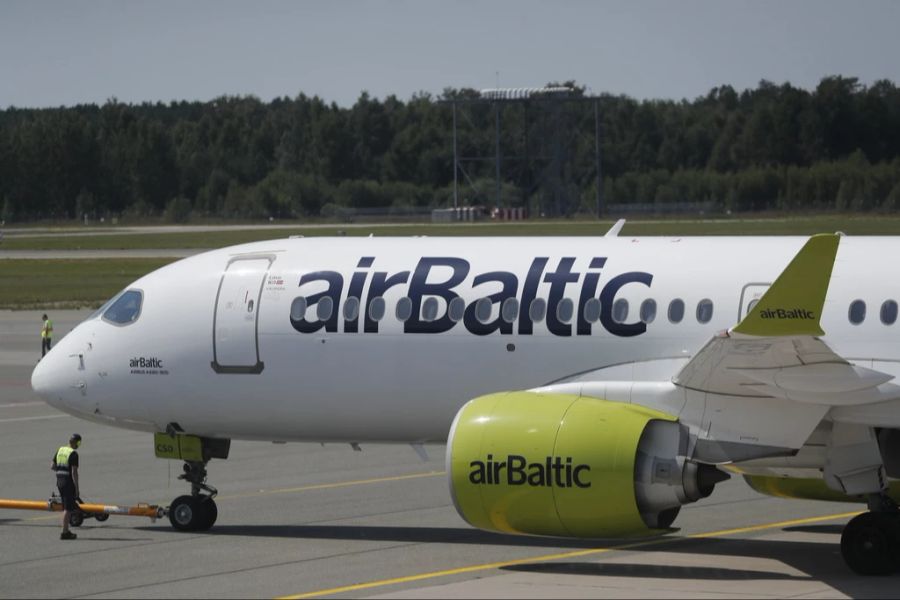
column 821, row 378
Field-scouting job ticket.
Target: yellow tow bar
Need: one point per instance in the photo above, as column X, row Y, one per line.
column 103, row 510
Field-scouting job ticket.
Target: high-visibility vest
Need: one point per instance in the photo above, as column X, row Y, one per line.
column 47, row 329
column 62, row 460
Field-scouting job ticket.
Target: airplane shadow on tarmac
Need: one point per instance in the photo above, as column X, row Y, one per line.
column 816, row 561
column 436, row 535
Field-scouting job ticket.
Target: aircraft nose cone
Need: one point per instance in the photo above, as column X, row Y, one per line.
column 47, row 380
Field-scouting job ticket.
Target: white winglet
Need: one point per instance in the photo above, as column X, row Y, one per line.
column 615, row 229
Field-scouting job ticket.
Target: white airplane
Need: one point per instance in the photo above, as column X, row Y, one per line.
column 584, row 387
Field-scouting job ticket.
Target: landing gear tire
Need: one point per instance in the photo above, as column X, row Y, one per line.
column 209, row 512
column 193, row 513
column 76, row 518
column 870, row 543
column 183, row 513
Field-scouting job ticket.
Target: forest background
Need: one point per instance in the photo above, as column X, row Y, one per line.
column 776, row 147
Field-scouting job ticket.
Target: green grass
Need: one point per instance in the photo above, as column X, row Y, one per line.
column 803, row 225
column 31, row 284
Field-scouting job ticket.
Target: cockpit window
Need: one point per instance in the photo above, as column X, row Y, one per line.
column 126, row 309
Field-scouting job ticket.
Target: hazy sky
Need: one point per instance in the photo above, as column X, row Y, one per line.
column 64, row 53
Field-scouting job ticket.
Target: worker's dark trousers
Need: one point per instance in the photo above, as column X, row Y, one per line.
column 45, row 346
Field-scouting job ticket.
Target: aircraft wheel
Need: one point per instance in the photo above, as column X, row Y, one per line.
column 76, row 518
column 870, row 543
column 209, row 512
column 185, row 514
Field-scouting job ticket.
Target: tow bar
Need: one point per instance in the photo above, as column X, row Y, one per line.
column 100, row 512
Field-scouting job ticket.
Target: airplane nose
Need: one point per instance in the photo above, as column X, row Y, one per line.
column 49, row 381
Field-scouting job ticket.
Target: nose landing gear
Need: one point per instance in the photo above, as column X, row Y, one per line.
column 197, row 512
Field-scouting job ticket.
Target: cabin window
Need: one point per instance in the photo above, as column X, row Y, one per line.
column 404, row 309
column 126, row 309
column 857, row 313
column 620, row 310
column 298, row 309
column 592, row 310
column 324, row 308
column 430, row 309
column 704, row 311
column 351, row 308
column 510, row 310
column 456, row 310
column 648, row 310
column 676, row 310
column 889, row 312
column 565, row 310
column 377, row 308
column 538, row 310
column 483, row 310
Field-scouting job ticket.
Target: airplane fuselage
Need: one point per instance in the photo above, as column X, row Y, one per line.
column 384, row 339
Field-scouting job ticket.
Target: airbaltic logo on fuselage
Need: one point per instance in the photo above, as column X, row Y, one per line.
column 569, row 301
column 146, row 363
column 554, row 471
column 784, row 313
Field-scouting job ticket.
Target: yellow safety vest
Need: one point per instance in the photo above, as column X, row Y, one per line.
column 62, row 460
column 47, row 329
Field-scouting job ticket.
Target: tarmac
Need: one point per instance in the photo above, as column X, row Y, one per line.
column 306, row 520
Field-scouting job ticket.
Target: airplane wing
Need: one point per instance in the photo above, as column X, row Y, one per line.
column 775, row 351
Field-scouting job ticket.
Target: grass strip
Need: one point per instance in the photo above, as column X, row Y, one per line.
column 36, row 284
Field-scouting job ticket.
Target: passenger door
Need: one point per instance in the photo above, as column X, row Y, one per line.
column 236, row 318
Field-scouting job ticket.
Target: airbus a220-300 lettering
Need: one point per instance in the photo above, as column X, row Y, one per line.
column 600, row 383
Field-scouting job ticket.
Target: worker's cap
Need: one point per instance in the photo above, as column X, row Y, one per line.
column 75, row 438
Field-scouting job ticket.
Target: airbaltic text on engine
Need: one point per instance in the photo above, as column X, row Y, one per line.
column 421, row 287
column 555, row 471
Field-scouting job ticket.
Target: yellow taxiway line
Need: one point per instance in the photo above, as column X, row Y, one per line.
column 562, row 555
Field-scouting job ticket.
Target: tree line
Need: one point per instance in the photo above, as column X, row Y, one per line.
column 775, row 147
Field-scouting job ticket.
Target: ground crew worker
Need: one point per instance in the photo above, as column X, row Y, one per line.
column 46, row 336
column 65, row 463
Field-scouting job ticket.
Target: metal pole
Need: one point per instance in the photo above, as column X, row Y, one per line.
column 597, row 157
column 455, row 162
column 497, row 151
column 55, row 505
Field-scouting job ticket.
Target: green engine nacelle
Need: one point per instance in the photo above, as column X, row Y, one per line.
column 563, row 465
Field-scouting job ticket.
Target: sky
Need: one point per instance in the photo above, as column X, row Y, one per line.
column 66, row 53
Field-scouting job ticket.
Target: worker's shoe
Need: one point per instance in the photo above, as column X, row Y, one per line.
column 67, row 535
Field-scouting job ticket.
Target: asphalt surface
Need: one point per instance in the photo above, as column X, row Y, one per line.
column 301, row 519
